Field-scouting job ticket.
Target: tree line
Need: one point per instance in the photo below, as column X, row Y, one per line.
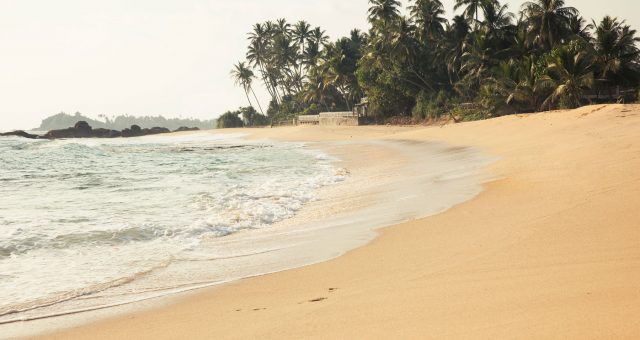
column 63, row 120
column 485, row 62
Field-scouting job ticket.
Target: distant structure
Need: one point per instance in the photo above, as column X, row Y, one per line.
column 329, row 119
column 362, row 108
column 353, row 118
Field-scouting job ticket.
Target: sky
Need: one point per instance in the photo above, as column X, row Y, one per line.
column 150, row 57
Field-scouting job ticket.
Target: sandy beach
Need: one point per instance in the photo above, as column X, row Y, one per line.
column 549, row 250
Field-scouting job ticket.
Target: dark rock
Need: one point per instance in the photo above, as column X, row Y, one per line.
column 63, row 133
column 184, row 128
column 157, row 130
column 20, row 133
column 83, row 130
column 126, row 133
column 106, row 133
column 82, row 126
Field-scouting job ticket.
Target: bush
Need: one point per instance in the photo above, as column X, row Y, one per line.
column 229, row 119
column 430, row 107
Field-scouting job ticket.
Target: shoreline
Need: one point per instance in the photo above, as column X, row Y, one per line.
column 534, row 256
column 345, row 216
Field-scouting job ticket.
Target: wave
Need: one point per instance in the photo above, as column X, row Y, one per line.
column 69, row 295
column 80, row 216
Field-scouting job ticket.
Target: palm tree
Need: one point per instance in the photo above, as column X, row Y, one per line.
column 617, row 53
column 384, row 11
column 282, row 27
column 579, row 28
column 284, row 56
column 319, row 36
column 340, row 64
column 316, row 89
column 243, row 76
column 428, row 16
column 498, row 21
column 258, row 55
column 301, row 34
column 357, row 37
column 516, row 81
column 547, row 22
column 477, row 60
column 472, row 9
column 569, row 73
column 457, row 37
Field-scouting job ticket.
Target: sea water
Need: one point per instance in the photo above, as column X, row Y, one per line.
column 87, row 223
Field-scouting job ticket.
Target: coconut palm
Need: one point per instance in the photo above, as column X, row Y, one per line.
column 429, row 17
column 243, row 76
column 282, row 27
column 472, row 9
column 617, row 53
column 258, row 55
column 340, row 64
column 547, row 22
column 498, row 21
column 569, row 73
column 319, row 36
column 457, row 37
column 516, row 81
column 317, row 90
column 284, row 60
column 384, row 11
column 579, row 28
column 301, row 34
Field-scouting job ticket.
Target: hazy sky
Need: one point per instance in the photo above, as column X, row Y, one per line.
column 169, row 57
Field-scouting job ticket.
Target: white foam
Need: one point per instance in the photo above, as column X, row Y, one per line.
column 434, row 179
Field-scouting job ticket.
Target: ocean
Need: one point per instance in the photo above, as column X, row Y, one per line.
column 89, row 223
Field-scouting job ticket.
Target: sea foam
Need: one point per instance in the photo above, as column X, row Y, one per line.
column 79, row 217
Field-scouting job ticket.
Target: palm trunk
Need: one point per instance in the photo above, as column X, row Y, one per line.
column 248, row 99
column 267, row 83
column 346, row 100
column 257, row 101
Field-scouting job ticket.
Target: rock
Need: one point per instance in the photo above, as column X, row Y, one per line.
column 20, row 133
column 126, row 133
column 184, row 128
column 63, row 133
column 157, row 130
column 83, row 130
column 106, row 133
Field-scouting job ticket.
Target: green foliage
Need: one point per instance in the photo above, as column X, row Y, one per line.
column 229, row 119
column 311, row 110
column 243, row 117
column 430, row 107
column 569, row 73
column 486, row 62
column 63, row 120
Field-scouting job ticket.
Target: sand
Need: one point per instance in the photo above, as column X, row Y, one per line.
column 550, row 250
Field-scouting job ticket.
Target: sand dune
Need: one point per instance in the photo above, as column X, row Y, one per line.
column 551, row 250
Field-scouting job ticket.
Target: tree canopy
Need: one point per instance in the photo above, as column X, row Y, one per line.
column 486, row 62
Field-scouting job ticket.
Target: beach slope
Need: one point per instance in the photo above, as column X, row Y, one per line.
column 550, row 250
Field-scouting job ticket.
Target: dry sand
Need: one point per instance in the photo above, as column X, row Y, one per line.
column 550, row 251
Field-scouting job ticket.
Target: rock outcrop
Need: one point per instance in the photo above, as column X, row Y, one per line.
column 83, row 130
column 184, row 128
column 20, row 133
